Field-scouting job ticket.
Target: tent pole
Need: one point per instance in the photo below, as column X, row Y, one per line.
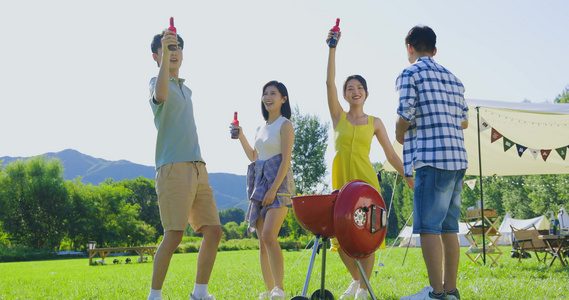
column 481, row 190
column 388, row 214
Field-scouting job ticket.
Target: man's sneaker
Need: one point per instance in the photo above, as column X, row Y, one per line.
column 264, row 295
column 361, row 294
column 454, row 295
column 277, row 293
column 425, row 294
column 351, row 291
column 207, row 297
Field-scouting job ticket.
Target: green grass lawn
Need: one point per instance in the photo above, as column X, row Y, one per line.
column 237, row 275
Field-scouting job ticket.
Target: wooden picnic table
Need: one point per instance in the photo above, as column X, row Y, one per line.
column 104, row 252
column 557, row 245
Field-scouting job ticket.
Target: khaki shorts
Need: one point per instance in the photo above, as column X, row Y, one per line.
column 184, row 195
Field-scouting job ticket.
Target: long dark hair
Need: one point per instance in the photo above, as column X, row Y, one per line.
column 285, row 108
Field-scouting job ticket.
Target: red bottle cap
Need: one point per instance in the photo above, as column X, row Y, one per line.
column 337, row 27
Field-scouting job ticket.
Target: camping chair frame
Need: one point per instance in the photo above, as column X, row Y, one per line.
column 526, row 240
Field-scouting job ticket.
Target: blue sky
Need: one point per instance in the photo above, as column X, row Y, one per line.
column 76, row 75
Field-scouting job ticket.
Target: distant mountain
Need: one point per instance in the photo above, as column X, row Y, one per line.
column 229, row 189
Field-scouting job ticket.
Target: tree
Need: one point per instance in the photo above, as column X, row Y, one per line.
column 117, row 221
column 515, row 198
column 563, row 97
column 547, row 192
column 310, row 142
column 232, row 231
column 82, row 224
column 35, row 204
column 235, row 214
column 144, row 195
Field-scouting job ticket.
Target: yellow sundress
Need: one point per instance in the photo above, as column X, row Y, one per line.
column 353, row 145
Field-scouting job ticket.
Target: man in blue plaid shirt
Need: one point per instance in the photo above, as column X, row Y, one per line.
column 432, row 114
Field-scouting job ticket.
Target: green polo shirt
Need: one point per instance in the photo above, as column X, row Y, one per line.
column 177, row 139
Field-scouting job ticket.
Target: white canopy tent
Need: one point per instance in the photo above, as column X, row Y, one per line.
column 540, row 127
column 406, row 235
column 506, row 231
column 505, row 139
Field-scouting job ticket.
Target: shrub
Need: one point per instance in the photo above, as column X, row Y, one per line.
column 188, row 247
column 242, row 244
column 24, row 253
column 191, row 239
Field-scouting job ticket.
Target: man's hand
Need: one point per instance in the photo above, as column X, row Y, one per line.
column 400, row 128
column 410, row 182
column 400, row 138
column 168, row 38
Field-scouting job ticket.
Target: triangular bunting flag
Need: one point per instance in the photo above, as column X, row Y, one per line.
column 545, row 154
column 507, row 144
column 562, row 152
column 521, row 149
column 471, row 183
column 495, row 135
column 484, row 126
column 534, row 152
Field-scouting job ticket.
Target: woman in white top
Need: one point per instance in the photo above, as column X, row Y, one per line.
column 269, row 174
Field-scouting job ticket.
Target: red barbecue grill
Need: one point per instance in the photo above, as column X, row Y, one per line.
column 356, row 216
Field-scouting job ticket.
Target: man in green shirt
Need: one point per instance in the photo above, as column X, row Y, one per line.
column 182, row 182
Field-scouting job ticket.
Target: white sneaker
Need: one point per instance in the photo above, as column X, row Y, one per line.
column 424, row 294
column 361, row 294
column 351, row 290
column 207, row 297
column 264, row 295
column 277, row 293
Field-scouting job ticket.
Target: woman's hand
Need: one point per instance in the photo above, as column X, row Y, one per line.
column 269, row 197
column 331, row 35
column 239, row 130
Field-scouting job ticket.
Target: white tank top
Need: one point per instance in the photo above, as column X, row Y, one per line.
column 268, row 139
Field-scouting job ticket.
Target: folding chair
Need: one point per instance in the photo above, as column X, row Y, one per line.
column 526, row 240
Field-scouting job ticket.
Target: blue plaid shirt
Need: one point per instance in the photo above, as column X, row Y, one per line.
column 431, row 98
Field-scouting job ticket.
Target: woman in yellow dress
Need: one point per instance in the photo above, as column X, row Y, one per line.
column 353, row 134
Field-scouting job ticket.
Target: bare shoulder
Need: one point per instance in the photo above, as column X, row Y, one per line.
column 287, row 125
column 377, row 123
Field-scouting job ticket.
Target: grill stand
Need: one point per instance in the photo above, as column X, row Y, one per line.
column 322, row 293
column 363, row 275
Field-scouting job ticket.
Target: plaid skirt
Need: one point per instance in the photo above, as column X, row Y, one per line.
column 260, row 176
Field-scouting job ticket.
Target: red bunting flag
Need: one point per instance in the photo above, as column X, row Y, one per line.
column 545, row 154
column 495, row 135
